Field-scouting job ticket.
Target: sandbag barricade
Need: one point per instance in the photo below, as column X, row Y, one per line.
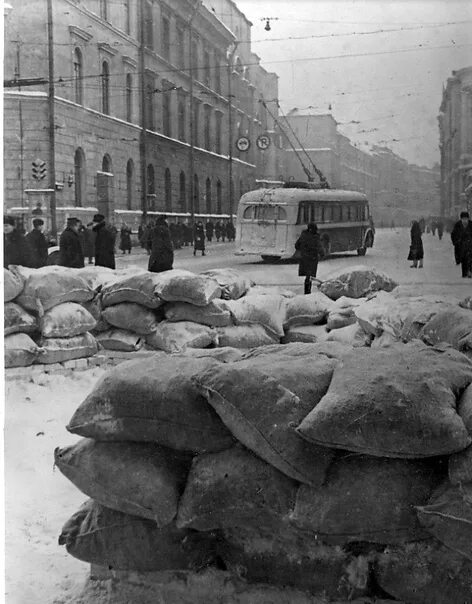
column 214, row 314
column 232, row 283
column 269, row 311
column 66, row 320
column 120, row 339
column 356, row 282
column 20, row 350
column 244, row 336
column 305, row 333
column 176, row 337
column 58, row 350
column 13, row 284
column 18, row 320
column 453, row 326
column 311, row 309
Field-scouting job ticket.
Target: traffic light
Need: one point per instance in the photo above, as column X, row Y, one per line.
column 39, row 169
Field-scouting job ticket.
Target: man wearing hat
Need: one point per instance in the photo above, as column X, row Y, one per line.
column 70, row 248
column 15, row 250
column 37, row 245
column 104, row 242
column 461, row 237
column 162, row 251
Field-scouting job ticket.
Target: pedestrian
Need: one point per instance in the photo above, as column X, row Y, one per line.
column 37, row 245
column 147, row 236
column 87, row 239
column 199, row 239
column 230, row 231
column 309, row 246
column 440, row 226
column 104, row 242
column 209, row 230
column 15, row 250
column 125, row 238
column 223, row 231
column 422, row 224
column 416, row 245
column 162, row 252
column 174, row 235
column 461, row 237
column 70, row 249
column 218, row 230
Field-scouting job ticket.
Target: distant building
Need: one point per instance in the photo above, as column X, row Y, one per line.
column 455, row 132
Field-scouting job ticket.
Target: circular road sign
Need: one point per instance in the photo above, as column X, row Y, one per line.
column 263, row 142
column 243, row 143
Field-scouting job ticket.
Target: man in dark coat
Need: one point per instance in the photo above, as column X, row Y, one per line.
column 15, row 250
column 218, row 228
column 125, row 239
column 209, row 230
column 37, row 245
column 461, row 237
column 70, row 249
column 230, row 231
column 416, row 253
column 162, row 252
column 199, row 239
column 104, row 242
column 309, row 246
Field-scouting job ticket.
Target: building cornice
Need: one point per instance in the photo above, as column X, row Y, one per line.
column 78, row 32
column 129, row 61
column 106, row 48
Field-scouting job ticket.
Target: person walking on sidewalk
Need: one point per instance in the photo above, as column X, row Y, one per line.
column 104, row 242
column 162, row 251
column 309, row 246
column 125, row 239
column 199, row 239
column 416, row 245
column 461, row 237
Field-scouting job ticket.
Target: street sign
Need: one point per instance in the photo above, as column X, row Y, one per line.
column 39, row 171
column 263, row 142
column 243, row 143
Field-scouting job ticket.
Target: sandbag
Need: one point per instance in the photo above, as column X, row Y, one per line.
column 142, row 479
column 466, row 303
column 366, row 499
column 453, row 326
column 183, row 286
column 331, row 350
column 175, row 337
column 234, row 488
column 102, row 536
column 244, row 336
column 277, row 394
column 17, row 320
column 353, row 335
column 233, row 284
column 305, row 333
column 393, row 402
column 20, row 350
column 425, row 573
column 384, row 341
column 310, row 309
column 268, row 311
column 131, row 316
column 223, row 355
column 460, row 464
column 152, row 400
column 120, row 339
column 288, row 558
column 215, row 314
column 139, row 288
column 58, row 350
column 66, row 320
column 49, row 286
column 448, row 517
column 270, row 290
column 98, row 276
column 341, row 314
column 94, row 307
column 356, row 282
column 13, row 284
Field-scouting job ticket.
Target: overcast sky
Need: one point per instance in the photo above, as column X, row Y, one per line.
column 394, row 95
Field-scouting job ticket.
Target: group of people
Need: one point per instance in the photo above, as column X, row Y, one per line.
column 30, row 250
column 71, row 243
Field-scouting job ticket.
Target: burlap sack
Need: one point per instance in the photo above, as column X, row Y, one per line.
column 183, row 286
column 215, row 314
column 17, row 320
column 176, row 337
column 268, row 311
column 141, row 479
column 139, row 288
column 393, row 402
column 58, row 350
column 453, row 326
column 120, row 339
column 98, row 276
column 223, row 355
column 244, row 336
column 66, row 320
column 13, row 284
column 152, row 400
column 352, row 335
column 234, row 488
column 460, row 464
column 356, row 282
column 310, row 309
column 132, row 317
column 233, row 284
column 331, row 350
column 305, row 333
column 20, row 350
column 95, row 308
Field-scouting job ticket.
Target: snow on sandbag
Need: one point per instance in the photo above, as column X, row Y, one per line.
column 466, row 303
column 97, row 276
column 58, row 350
column 232, row 283
column 268, row 311
column 142, row 479
column 401, row 400
column 425, row 573
column 290, row 558
column 132, row 317
column 17, row 320
column 95, row 308
column 277, row 394
column 356, row 282
column 234, row 488
column 49, row 286
column 353, row 335
column 13, row 284
column 99, row 535
column 152, row 400
column 384, row 341
column 20, row 350
column 244, row 336
column 448, row 517
column 175, row 337
column 305, row 333
column 366, row 499
column 66, row 320
column 270, row 290
column 453, row 326
column 215, row 314
column 120, row 339
column 183, row 286
column 309, row 309
column 223, row 355
column 342, row 313
column 139, row 287
column 460, row 464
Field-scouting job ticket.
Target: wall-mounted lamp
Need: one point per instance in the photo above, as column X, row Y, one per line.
column 70, row 179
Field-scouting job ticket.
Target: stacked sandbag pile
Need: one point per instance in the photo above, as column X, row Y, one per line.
column 311, row 466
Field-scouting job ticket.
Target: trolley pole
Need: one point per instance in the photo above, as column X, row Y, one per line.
column 52, row 125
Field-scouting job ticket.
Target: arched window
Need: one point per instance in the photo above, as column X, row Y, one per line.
column 148, row 25
column 106, row 164
column 105, row 88
column 129, row 97
column 104, row 9
column 218, row 197
column 182, row 192
column 181, row 121
column 151, row 187
column 127, row 16
column 78, row 76
column 129, row 184
column 196, row 195
column 208, row 195
column 79, row 177
column 168, row 190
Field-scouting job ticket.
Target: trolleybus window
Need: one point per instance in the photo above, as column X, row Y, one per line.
column 264, row 212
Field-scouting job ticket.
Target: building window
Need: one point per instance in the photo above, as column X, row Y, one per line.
column 217, row 72
column 78, row 76
column 105, row 88
column 166, row 114
column 148, row 25
column 218, row 197
column 195, row 59
column 196, row 123
column 180, row 47
column 129, row 97
column 168, row 190
column 127, row 16
column 208, row 195
column 207, row 127
column 181, row 121
column 206, row 69
column 151, row 187
column 104, row 9
column 182, row 192
column 196, row 195
column 129, row 184
column 219, row 117
column 79, row 177
column 150, row 103
column 106, row 164
column 165, row 37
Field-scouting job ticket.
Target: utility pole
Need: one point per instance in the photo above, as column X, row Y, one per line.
column 190, row 60
column 230, row 126
column 142, row 111
column 52, row 124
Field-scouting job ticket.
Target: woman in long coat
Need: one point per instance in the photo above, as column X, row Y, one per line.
column 162, row 252
column 416, row 247
column 125, row 239
column 199, row 239
column 309, row 246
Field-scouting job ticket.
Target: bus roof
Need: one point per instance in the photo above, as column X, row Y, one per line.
column 278, row 195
